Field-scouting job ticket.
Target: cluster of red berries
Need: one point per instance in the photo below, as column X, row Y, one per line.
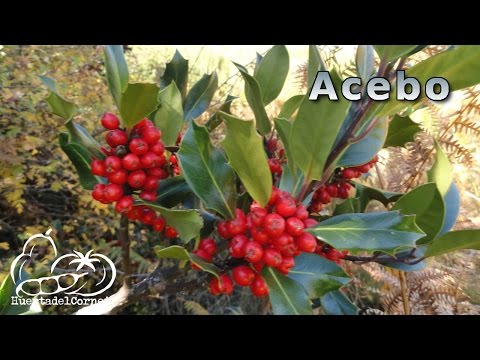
column 274, row 162
column 267, row 236
column 135, row 163
column 339, row 187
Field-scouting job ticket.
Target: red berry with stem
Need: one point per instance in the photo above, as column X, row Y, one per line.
column 97, row 192
column 116, row 137
column 98, row 168
column 148, row 195
column 258, row 215
column 253, row 251
column 272, row 257
column 286, row 206
column 258, row 266
column 243, row 275
column 306, row 242
column 344, row 190
column 173, row 160
column 223, row 230
column 204, row 255
column 282, row 241
column 272, row 145
column 148, row 216
column 214, row 287
column 239, row 224
column 138, row 146
column 170, row 232
column 112, row 192
column 112, row 164
column 237, row 246
column 294, row 226
column 158, row 224
column 124, row 205
column 209, row 245
column 143, row 124
column 157, row 172
column 274, row 225
column 135, row 213
column 136, row 179
column 259, row 286
column 151, row 134
column 222, row 286
column 118, row 177
column 275, row 166
column 110, row 121
column 131, row 162
column 363, row 168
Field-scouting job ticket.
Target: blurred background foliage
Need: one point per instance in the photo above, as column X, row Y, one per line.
column 39, row 187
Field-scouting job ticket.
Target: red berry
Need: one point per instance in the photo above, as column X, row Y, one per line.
column 150, row 160
column 110, row 121
column 260, row 235
column 274, row 197
column 173, row 160
column 332, row 254
column 148, row 195
column 112, row 164
column 157, row 172
column 136, row 179
column 116, row 137
column 290, row 250
column 158, row 224
column 283, row 240
column 151, row 134
column 135, row 213
column 324, row 197
column 97, row 193
column 237, row 246
column 105, row 151
column 275, row 166
column 272, row 145
column 118, row 177
column 258, row 215
column 223, row 230
column 286, row 206
column 208, row 245
column 258, row 266
column 158, row 148
column 124, row 205
column 306, row 242
column 274, row 225
column 148, row 216
column 301, row 213
column 253, row 251
column 112, row 192
column 131, row 162
column 214, row 287
column 287, row 263
column 224, row 286
column 294, row 226
column 151, row 183
column 310, row 223
column 239, row 224
column 344, row 190
column 259, row 286
column 332, row 190
column 138, row 146
column 363, row 168
column 143, row 124
column 170, row 232
column 204, row 255
column 98, row 168
column 348, row 173
column 272, row 257
column 243, row 275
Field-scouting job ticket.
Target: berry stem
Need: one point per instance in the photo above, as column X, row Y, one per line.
column 124, row 238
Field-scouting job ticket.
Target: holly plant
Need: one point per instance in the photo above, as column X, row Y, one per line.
column 276, row 205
